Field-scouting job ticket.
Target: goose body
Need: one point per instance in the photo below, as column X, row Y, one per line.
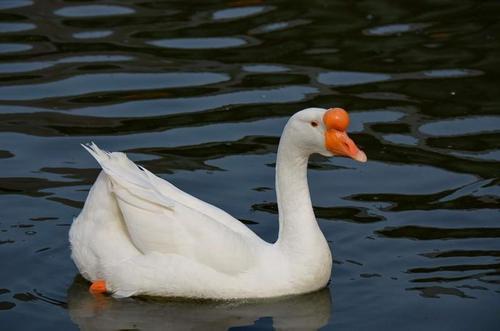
column 144, row 236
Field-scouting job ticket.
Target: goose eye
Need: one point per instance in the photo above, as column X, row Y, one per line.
column 314, row 124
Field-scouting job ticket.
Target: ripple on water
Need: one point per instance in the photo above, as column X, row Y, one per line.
column 16, row 27
column 264, row 68
column 351, row 78
column 401, row 139
column 320, row 51
column 200, row 43
column 5, row 155
column 434, row 233
column 6, row 305
column 394, row 29
column 92, row 34
column 95, row 58
column 487, row 156
column 90, row 83
column 381, row 95
column 302, row 312
column 16, row 67
column 432, row 192
column 359, row 119
column 93, row 11
column 240, row 12
column 158, row 107
column 462, row 126
column 438, row 74
column 14, row 48
column 8, row 4
column 451, row 73
column 278, row 26
column 348, row 78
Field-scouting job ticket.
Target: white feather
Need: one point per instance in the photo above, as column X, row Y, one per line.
column 145, row 236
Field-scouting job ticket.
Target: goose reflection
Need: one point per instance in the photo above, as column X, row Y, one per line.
column 303, row 312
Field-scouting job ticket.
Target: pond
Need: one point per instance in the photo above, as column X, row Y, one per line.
column 198, row 92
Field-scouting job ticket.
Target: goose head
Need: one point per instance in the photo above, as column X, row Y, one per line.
column 323, row 131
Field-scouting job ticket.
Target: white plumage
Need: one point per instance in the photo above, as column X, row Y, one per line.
column 142, row 235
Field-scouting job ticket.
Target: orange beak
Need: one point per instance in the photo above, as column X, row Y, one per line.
column 337, row 141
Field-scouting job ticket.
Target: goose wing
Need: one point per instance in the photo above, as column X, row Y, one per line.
column 159, row 217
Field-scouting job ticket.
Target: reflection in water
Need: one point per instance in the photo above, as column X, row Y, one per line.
column 432, row 233
column 454, row 198
column 234, row 13
column 14, row 48
column 462, row 126
column 351, row 78
column 199, row 43
column 277, row 26
column 79, row 85
column 264, row 68
column 401, row 139
column 351, row 214
column 92, row 34
column 93, row 11
column 19, row 67
column 8, row 4
column 15, row 27
column 438, row 291
column 199, row 95
column 392, row 29
column 305, row 312
column 346, row 78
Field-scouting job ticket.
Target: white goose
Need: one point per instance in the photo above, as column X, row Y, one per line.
column 139, row 235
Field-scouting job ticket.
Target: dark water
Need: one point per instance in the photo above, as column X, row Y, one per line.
column 198, row 92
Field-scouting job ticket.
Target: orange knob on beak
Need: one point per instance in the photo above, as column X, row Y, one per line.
column 336, row 118
column 337, row 141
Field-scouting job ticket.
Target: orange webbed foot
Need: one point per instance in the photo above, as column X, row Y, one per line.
column 98, row 287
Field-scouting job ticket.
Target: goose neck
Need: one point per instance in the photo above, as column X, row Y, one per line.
column 298, row 226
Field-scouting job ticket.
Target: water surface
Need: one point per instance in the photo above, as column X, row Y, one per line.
column 198, row 92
